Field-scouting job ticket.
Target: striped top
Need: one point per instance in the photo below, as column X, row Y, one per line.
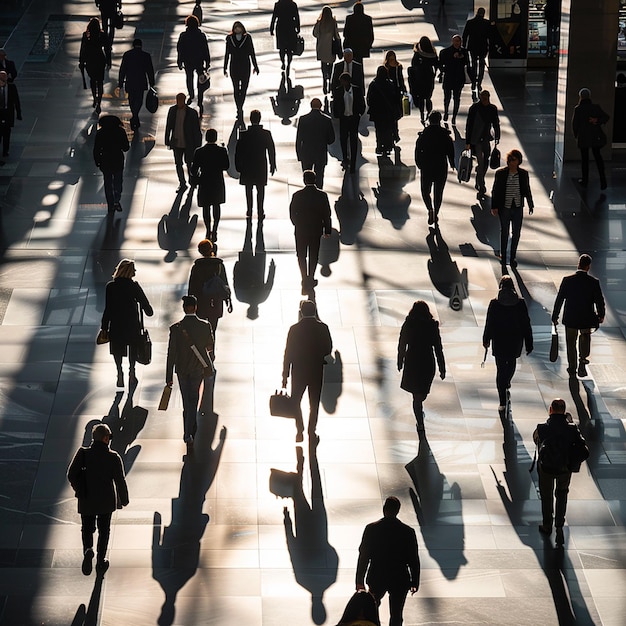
column 512, row 194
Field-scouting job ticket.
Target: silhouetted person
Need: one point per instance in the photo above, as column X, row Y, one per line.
column 108, row 14
column 384, row 110
column 476, row 41
column 10, row 109
column 421, row 76
column 358, row 32
column 325, row 32
column 388, row 555
column 584, row 311
column 315, row 133
column 7, row 65
column 193, row 54
column 238, row 58
column 108, row 153
column 350, row 66
column 96, row 474
column 93, row 58
column 286, row 21
column 136, row 75
column 348, row 106
column 452, row 63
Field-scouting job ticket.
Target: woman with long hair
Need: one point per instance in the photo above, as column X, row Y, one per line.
column 325, row 30
column 238, row 58
column 419, row 344
column 286, row 22
column 394, row 71
column 422, row 76
column 121, row 318
column 384, row 110
column 94, row 56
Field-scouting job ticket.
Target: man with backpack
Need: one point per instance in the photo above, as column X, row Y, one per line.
column 561, row 450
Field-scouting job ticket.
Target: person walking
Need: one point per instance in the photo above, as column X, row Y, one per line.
column 389, row 560
column 358, row 32
column 10, row 110
column 511, row 187
column 207, row 171
column 418, row 346
column 584, row 310
column 452, row 63
column 348, row 106
column 193, row 55
column 421, row 75
column 309, row 212
column 507, row 330
column 108, row 153
column 238, row 58
column 136, row 75
column 315, row 133
column 308, row 343
column 560, row 436
column 208, row 282
column 394, row 71
column 108, row 18
column 434, row 149
column 384, row 110
column 254, row 147
column 182, row 136
column 93, row 58
column 482, row 126
column 190, row 354
column 7, row 65
column 286, row 22
column 476, row 36
column 352, row 67
column 121, row 319
column 587, row 125
column 97, row 476
column 325, row 31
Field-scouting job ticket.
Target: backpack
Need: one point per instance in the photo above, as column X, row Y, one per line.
column 553, row 453
column 215, row 290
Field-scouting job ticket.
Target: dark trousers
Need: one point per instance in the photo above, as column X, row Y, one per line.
column 240, row 89
column 299, row 383
column 307, row 249
column 190, row 391
column 435, row 183
column 260, row 200
column 5, row 135
column 189, row 73
column 135, row 102
column 104, row 530
column 318, row 167
column 505, row 368
column 553, row 488
column 179, row 158
column 113, row 182
column 349, row 130
column 397, row 598
column 476, row 68
column 452, row 92
column 510, row 220
column 482, row 152
column 584, row 163
column 584, row 345
column 108, row 27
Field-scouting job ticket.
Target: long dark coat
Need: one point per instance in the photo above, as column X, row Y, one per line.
column 104, row 478
column 508, row 328
column 136, row 70
column 120, row 318
column 422, row 74
column 110, row 144
column 382, row 102
column 452, row 62
column 358, row 34
column 209, row 163
column 92, row 55
column 287, row 20
column 254, row 147
column 584, row 302
column 434, row 149
column 240, row 54
column 201, row 270
column 586, row 133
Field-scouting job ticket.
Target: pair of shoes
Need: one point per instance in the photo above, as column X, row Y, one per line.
column 117, row 206
column 102, row 566
column 513, row 263
column 431, row 217
column 87, row 566
column 181, row 187
column 120, row 381
column 582, row 370
column 299, row 437
column 545, row 530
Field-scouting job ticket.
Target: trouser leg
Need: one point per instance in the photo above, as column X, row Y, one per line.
column 517, row 216
column 505, row 368
column 260, row 200
column 439, row 184
column 584, row 165
column 505, row 225
column 314, row 253
column 597, row 155
column 315, row 393
column 482, row 156
column 189, row 75
column 118, row 182
column 354, row 134
column 447, row 95
column 301, row 252
column 179, row 154
column 546, row 492
column 104, row 531
column 584, row 344
column 190, row 391
column 249, row 200
column 298, row 385
column 108, row 189
column 426, row 183
column 560, row 493
column 88, row 528
column 571, row 336
column 217, row 213
column 397, row 598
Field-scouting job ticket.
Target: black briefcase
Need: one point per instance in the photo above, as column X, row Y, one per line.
column 554, row 345
column 281, row 404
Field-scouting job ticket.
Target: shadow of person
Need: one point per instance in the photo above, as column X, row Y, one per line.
column 249, row 282
column 391, row 199
column 333, row 383
column 313, row 559
column 431, row 488
column 444, row 272
column 287, row 101
column 486, row 226
column 176, row 229
column 329, row 252
column 88, row 616
column 351, row 210
column 176, row 548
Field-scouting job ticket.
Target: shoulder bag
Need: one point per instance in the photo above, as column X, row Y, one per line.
column 143, row 347
column 152, row 100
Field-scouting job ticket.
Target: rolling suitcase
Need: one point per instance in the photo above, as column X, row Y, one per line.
column 465, row 166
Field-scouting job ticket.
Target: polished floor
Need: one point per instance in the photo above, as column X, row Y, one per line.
column 204, row 541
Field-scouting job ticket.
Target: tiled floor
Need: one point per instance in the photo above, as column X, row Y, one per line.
column 203, row 540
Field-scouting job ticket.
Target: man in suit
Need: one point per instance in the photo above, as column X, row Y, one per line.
column 452, row 63
column 358, row 32
column 308, row 343
column 310, row 214
column 108, row 12
column 96, row 474
column 254, row 147
column 348, row 106
column 388, row 553
column 584, row 310
column 8, row 66
column 352, row 67
column 182, row 136
column 189, row 352
column 511, row 187
column 476, row 36
column 136, row 74
column 10, row 109
column 315, row 133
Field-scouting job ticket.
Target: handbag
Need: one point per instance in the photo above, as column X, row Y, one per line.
column 554, row 345
column 282, row 483
column 165, row 398
column 143, row 347
column 204, row 81
column 152, row 100
column 337, row 48
column 494, row 159
column 406, row 105
column 281, row 404
column 119, row 20
column 299, row 47
column 103, row 337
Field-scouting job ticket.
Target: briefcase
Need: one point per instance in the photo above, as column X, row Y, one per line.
column 465, row 166
column 282, row 483
column 119, row 20
column 165, row 398
column 152, row 100
column 494, row 159
column 281, row 404
column 554, row 345
column 299, row 49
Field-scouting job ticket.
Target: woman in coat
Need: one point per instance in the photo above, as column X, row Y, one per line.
column 394, row 71
column 419, row 343
column 422, row 76
column 94, row 56
column 325, row 30
column 238, row 58
column 286, row 22
column 121, row 319
column 210, row 295
column 358, row 33
column 207, row 169
column 108, row 153
column 507, row 330
column 384, row 110
column 193, row 54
